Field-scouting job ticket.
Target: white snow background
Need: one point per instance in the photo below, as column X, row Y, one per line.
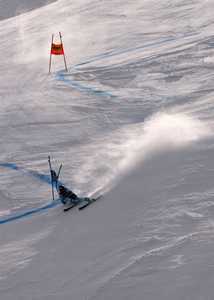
column 133, row 120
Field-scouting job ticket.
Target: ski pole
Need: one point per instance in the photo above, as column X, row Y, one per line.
column 49, row 161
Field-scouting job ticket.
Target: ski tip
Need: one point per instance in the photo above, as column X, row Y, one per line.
column 68, row 208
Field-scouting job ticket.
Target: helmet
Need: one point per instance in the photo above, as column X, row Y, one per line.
column 61, row 188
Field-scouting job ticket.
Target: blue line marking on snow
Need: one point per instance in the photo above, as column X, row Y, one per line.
column 42, row 177
column 82, row 88
column 21, row 215
column 87, row 89
column 9, row 165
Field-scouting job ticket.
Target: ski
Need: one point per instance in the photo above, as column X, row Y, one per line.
column 84, row 205
column 69, row 207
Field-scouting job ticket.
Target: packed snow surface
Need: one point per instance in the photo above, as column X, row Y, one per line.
column 132, row 119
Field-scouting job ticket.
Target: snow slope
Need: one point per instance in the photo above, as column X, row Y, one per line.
column 133, row 120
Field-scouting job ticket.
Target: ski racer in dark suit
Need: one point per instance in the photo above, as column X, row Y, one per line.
column 66, row 196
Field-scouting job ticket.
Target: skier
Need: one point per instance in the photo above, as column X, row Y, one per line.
column 66, row 196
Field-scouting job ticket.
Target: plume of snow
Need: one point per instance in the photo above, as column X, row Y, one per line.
column 112, row 157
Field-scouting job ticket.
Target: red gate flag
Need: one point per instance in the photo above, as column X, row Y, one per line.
column 57, row 49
